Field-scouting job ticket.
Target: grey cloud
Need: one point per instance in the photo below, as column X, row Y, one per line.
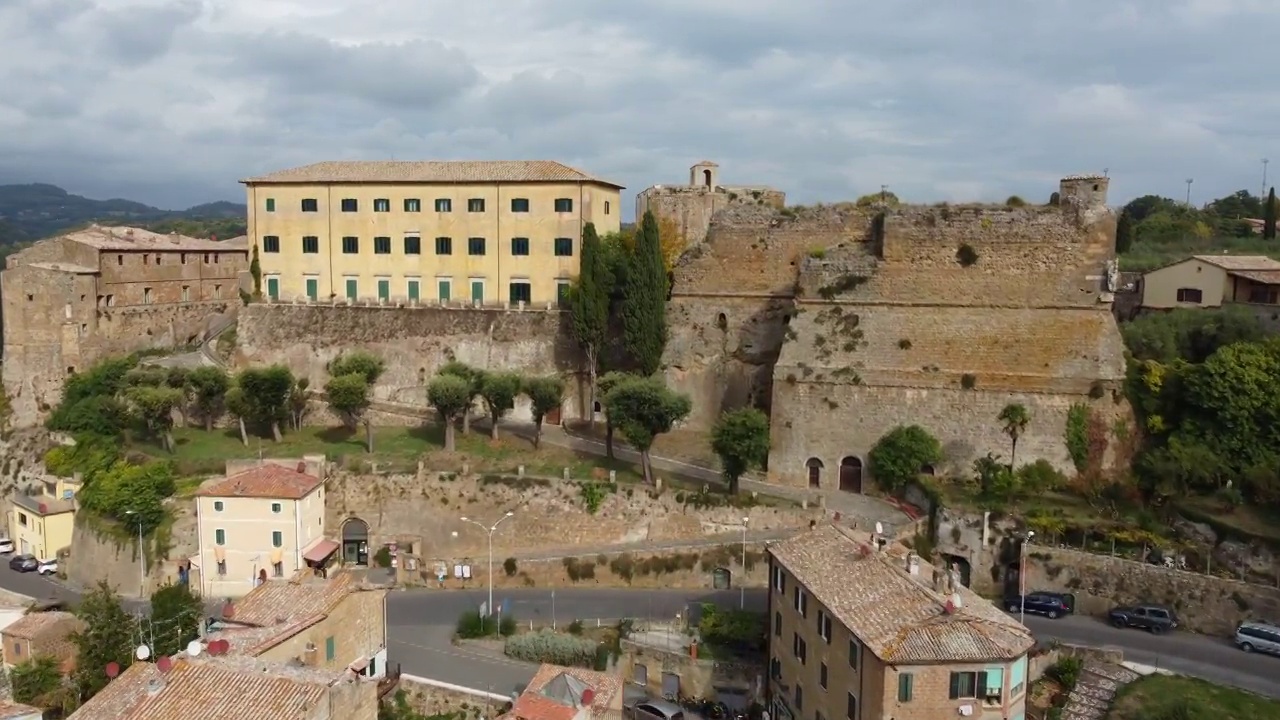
column 138, row 34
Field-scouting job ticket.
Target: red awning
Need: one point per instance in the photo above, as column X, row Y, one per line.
column 320, row 552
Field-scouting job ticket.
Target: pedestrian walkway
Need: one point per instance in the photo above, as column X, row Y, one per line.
column 1095, row 690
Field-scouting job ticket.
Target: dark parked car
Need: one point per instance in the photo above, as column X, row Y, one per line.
column 24, row 563
column 1153, row 618
column 1051, row 605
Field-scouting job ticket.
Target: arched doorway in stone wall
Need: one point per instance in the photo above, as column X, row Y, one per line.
column 851, row 474
column 814, row 468
column 355, row 541
column 928, row 470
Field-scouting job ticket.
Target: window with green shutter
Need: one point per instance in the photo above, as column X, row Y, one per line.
column 994, row 682
column 351, row 288
column 905, row 683
column 313, row 287
column 330, row 648
column 219, row 537
column 384, row 289
column 413, row 290
column 271, row 204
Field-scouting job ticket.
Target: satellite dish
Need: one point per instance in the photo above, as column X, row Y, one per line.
column 113, row 669
column 164, row 664
column 194, row 647
column 879, row 528
column 587, row 696
column 143, row 652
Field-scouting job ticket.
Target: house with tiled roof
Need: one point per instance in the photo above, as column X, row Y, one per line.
column 864, row 630
column 230, row 688
column 261, row 522
column 567, row 693
column 336, row 623
column 1210, row 281
column 460, row 233
column 41, row 634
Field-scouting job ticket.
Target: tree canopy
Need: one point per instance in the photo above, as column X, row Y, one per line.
column 741, row 440
column 899, row 456
column 642, row 409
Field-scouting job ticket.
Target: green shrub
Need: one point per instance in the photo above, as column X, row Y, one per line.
column 382, row 558
column 551, row 647
column 510, row 567
column 1067, row 672
column 575, row 627
column 471, row 625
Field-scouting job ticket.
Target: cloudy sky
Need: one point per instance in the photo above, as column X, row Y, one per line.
column 172, row 101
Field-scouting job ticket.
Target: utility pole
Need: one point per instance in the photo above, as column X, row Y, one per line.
column 489, row 530
column 1263, row 192
column 1189, row 181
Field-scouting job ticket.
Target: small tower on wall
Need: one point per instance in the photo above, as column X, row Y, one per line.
column 1087, row 192
column 705, row 175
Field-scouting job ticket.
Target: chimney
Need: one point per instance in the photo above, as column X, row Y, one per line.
column 913, row 563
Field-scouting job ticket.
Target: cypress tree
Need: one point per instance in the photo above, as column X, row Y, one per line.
column 1124, row 232
column 589, row 306
column 1269, row 216
column 644, row 293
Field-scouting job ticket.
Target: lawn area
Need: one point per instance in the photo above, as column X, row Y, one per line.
column 1148, row 256
column 397, row 448
column 1165, row 697
column 1245, row 521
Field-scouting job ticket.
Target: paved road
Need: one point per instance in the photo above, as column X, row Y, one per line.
column 420, row 625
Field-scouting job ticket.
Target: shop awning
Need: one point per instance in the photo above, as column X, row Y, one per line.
column 320, row 551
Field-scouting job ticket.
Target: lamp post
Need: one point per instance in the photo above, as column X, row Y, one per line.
column 1022, row 577
column 142, row 558
column 742, row 586
column 489, row 530
column 1263, row 194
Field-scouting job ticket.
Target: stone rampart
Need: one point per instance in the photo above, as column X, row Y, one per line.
column 413, row 341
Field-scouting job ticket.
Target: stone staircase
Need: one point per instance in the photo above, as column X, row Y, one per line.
column 1096, row 688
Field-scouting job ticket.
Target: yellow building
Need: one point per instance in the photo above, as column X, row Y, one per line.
column 41, row 525
column 489, row 232
column 1210, row 281
column 863, row 633
column 264, row 522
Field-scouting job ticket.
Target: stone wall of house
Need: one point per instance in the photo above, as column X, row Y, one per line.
column 698, row 677
column 432, row 700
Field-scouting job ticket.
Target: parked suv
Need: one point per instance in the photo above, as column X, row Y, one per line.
column 1257, row 635
column 1154, row 618
column 24, row 563
column 1051, row 605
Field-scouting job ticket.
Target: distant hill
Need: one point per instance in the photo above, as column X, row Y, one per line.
column 31, row 212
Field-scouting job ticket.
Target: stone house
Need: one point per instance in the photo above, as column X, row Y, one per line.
column 334, row 623
column 863, row 632
column 40, row 634
column 69, row 301
column 565, row 693
column 1210, row 281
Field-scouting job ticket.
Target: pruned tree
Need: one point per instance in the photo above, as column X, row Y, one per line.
column 499, row 391
column 741, row 439
column 209, row 387
column 589, row 307
column 545, row 395
column 450, row 395
column 299, row 401
column 238, row 405
column 608, row 382
column 642, row 409
column 266, row 396
column 644, row 314
column 474, row 378
column 1014, row 419
column 154, row 405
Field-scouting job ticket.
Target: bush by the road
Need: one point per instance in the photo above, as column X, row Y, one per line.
column 471, row 626
column 547, row 646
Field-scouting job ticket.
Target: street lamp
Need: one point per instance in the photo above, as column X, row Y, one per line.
column 489, row 530
column 1022, row 578
column 742, row 586
column 142, row 558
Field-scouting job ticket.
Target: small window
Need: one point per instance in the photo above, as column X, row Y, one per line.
column 824, row 626
column 186, row 293
column 277, row 538
column 521, row 292
column 184, row 258
column 564, row 247
column 119, row 259
column 519, row 205
column 1190, row 295
column 905, row 682
column 330, row 648
column 412, row 205
column 777, row 623
column 853, row 707
column 222, row 568
column 219, row 537
column 475, row 246
column 350, row 245
column 519, row 246
column 271, row 204
column 146, row 259
column 802, row 602
column 853, row 653
column 146, row 296
column 779, row 580
column 271, row 244
column 799, row 698
column 277, row 569
column 276, row 507
column 475, row 205
column 799, row 647
column 412, row 245
column 310, row 205
column 444, row 205
column 964, row 685
column 606, row 207
column 822, row 676
column 382, row 246
column 218, row 506
column 310, row 244
column 444, row 246
column 381, row 205
column 350, row 205
column 562, row 293
column 564, row 205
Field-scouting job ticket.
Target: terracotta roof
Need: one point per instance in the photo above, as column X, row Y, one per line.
column 1240, row 262
column 128, row 238
column 898, row 616
column 209, row 688
column 1265, row 277
column 284, row 602
column 253, row 640
column 264, row 481
column 32, row 625
column 429, row 172
column 10, row 710
column 555, row 693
